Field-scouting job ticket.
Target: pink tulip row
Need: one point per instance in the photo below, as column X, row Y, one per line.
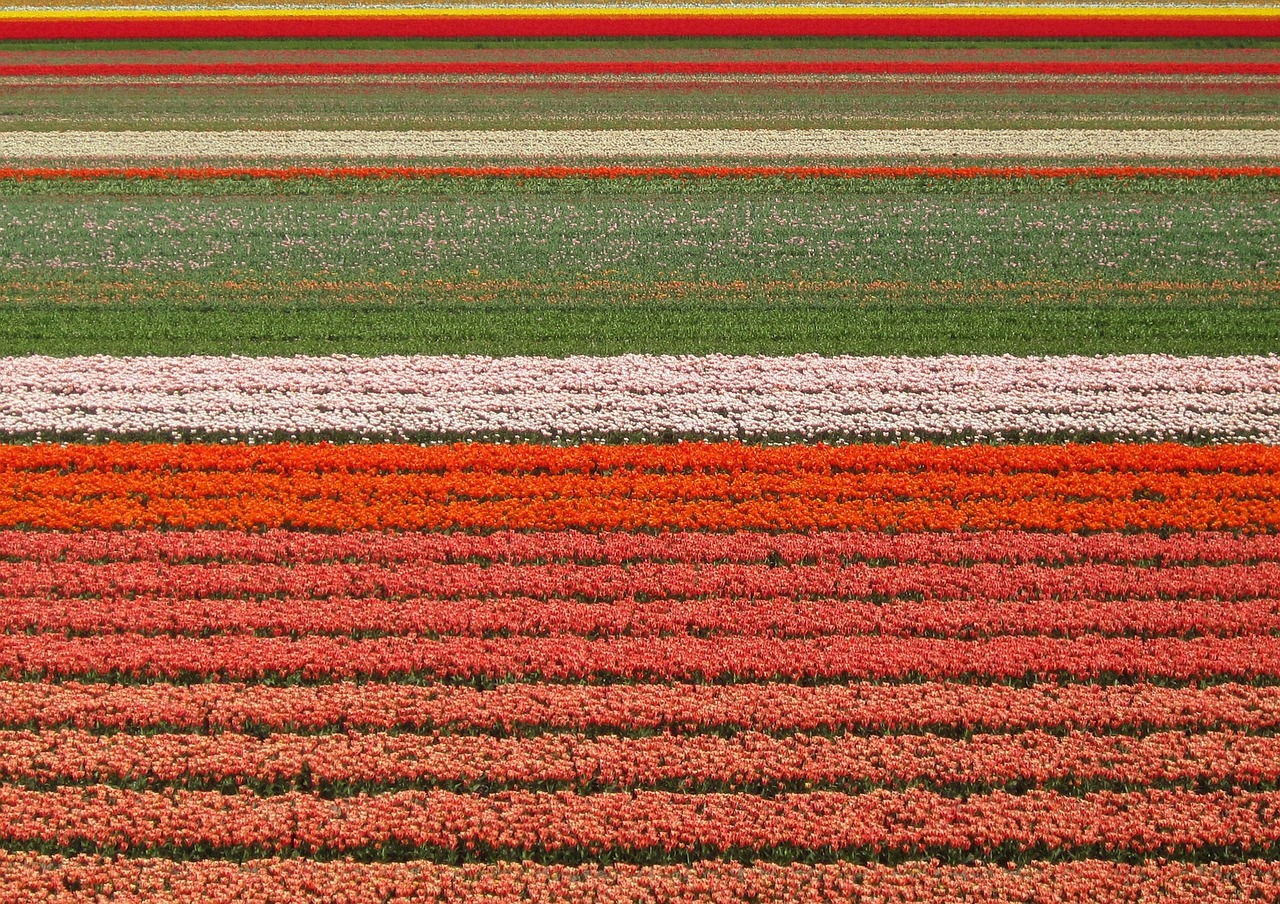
column 616, row 547
column 645, row 396
column 623, row 708
column 716, row 616
column 746, row 760
column 911, row 821
column 683, row 658
column 640, row 580
column 27, row 877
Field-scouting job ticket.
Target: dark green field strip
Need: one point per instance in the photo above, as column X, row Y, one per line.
column 829, row 327
column 394, row 852
column 355, row 103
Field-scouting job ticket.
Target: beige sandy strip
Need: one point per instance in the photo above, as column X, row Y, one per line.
column 1235, row 144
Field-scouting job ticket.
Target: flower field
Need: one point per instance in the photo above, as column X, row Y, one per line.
column 639, row 452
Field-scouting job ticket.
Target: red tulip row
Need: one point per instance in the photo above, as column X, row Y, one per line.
column 715, row 616
column 614, row 547
column 782, row 708
column 26, row 877
column 641, row 171
column 746, row 760
column 641, row 580
column 911, row 821
column 647, row 658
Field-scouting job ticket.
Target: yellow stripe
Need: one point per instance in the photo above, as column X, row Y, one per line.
column 949, row 12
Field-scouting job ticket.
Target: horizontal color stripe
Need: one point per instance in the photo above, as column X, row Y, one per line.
column 950, row 22
column 37, row 876
column 576, row 547
column 938, row 707
column 645, row 397
column 1257, row 144
column 285, row 173
column 642, row 67
column 908, row 821
column 379, row 761
column 313, row 657
column 698, row 486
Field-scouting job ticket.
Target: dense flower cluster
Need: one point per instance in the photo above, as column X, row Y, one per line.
column 1151, row 821
column 720, row 487
column 748, row 759
column 25, row 877
column 719, row 396
column 662, row 658
column 834, row 708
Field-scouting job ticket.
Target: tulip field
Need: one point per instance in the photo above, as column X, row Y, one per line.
column 512, row 450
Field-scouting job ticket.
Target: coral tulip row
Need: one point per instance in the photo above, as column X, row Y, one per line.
column 970, row 398
column 638, row 582
column 688, row 486
column 370, row 762
column 914, row 821
column 760, row 616
column 26, row 877
column 610, row 21
column 940, row 707
column 683, row 658
column 616, row 548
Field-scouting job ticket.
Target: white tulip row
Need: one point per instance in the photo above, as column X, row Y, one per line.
column 1243, row 144
column 954, row 398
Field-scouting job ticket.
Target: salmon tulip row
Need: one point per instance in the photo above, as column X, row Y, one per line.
column 939, row 706
column 377, row 762
column 26, row 877
column 682, row 658
column 910, row 822
column 783, row 617
column 281, row 547
column 639, row 582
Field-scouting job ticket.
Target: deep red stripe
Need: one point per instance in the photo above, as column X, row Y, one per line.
column 539, row 26
column 644, row 67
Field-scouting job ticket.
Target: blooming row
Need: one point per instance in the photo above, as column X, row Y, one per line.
column 681, row 658
column 522, row 821
column 614, row 547
column 1251, row 145
column 706, row 486
column 747, row 760
column 332, row 614
column 550, row 171
column 636, row 582
column 1103, row 21
column 639, row 707
column 646, row 396
column 26, row 877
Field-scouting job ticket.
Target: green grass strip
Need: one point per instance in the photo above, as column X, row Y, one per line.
column 561, row 329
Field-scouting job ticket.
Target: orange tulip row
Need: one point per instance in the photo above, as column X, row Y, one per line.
column 708, row 486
